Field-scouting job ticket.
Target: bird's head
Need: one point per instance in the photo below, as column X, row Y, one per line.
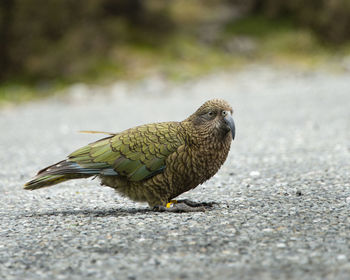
column 214, row 117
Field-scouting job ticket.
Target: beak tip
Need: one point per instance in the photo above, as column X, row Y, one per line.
column 231, row 124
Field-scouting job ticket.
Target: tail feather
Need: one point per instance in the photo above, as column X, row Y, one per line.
column 44, row 181
column 57, row 173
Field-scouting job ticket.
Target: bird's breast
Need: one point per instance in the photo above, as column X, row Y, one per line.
column 207, row 158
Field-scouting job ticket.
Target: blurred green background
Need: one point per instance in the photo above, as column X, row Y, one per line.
column 46, row 45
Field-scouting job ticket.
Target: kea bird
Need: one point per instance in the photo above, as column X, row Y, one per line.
column 155, row 162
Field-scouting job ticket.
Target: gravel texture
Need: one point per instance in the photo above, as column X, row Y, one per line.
column 283, row 193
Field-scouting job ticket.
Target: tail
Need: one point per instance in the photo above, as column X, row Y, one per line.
column 57, row 173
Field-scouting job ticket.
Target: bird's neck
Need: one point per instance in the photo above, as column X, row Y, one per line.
column 207, row 139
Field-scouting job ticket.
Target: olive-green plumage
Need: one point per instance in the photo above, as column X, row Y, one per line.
column 154, row 162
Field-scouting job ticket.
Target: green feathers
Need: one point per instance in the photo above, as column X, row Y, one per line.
column 136, row 153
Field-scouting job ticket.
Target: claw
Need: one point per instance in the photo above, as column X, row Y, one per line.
column 197, row 204
column 184, row 205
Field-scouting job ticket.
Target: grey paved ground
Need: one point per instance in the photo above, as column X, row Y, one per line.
column 284, row 191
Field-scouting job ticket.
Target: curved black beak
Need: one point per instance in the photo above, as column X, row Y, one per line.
column 231, row 124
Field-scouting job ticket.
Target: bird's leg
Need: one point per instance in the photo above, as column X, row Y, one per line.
column 183, row 205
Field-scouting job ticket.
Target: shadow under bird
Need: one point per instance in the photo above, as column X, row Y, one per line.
column 156, row 162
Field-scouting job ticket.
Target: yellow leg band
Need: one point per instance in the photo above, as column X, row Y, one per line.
column 171, row 203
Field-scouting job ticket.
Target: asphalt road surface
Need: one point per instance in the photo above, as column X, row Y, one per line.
column 283, row 193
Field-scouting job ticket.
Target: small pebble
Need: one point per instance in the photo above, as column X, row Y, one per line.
column 254, row 174
column 341, row 258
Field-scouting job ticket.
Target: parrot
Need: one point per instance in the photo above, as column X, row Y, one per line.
column 156, row 162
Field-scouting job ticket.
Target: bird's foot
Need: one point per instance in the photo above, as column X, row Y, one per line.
column 184, row 205
column 197, row 204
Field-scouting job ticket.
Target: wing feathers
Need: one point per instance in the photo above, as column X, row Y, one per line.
column 136, row 153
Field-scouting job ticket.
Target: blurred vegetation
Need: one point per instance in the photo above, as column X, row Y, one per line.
column 329, row 19
column 47, row 44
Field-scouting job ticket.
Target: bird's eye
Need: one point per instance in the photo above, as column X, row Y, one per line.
column 224, row 113
column 209, row 115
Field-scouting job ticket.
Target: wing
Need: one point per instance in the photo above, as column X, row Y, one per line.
column 137, row 153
